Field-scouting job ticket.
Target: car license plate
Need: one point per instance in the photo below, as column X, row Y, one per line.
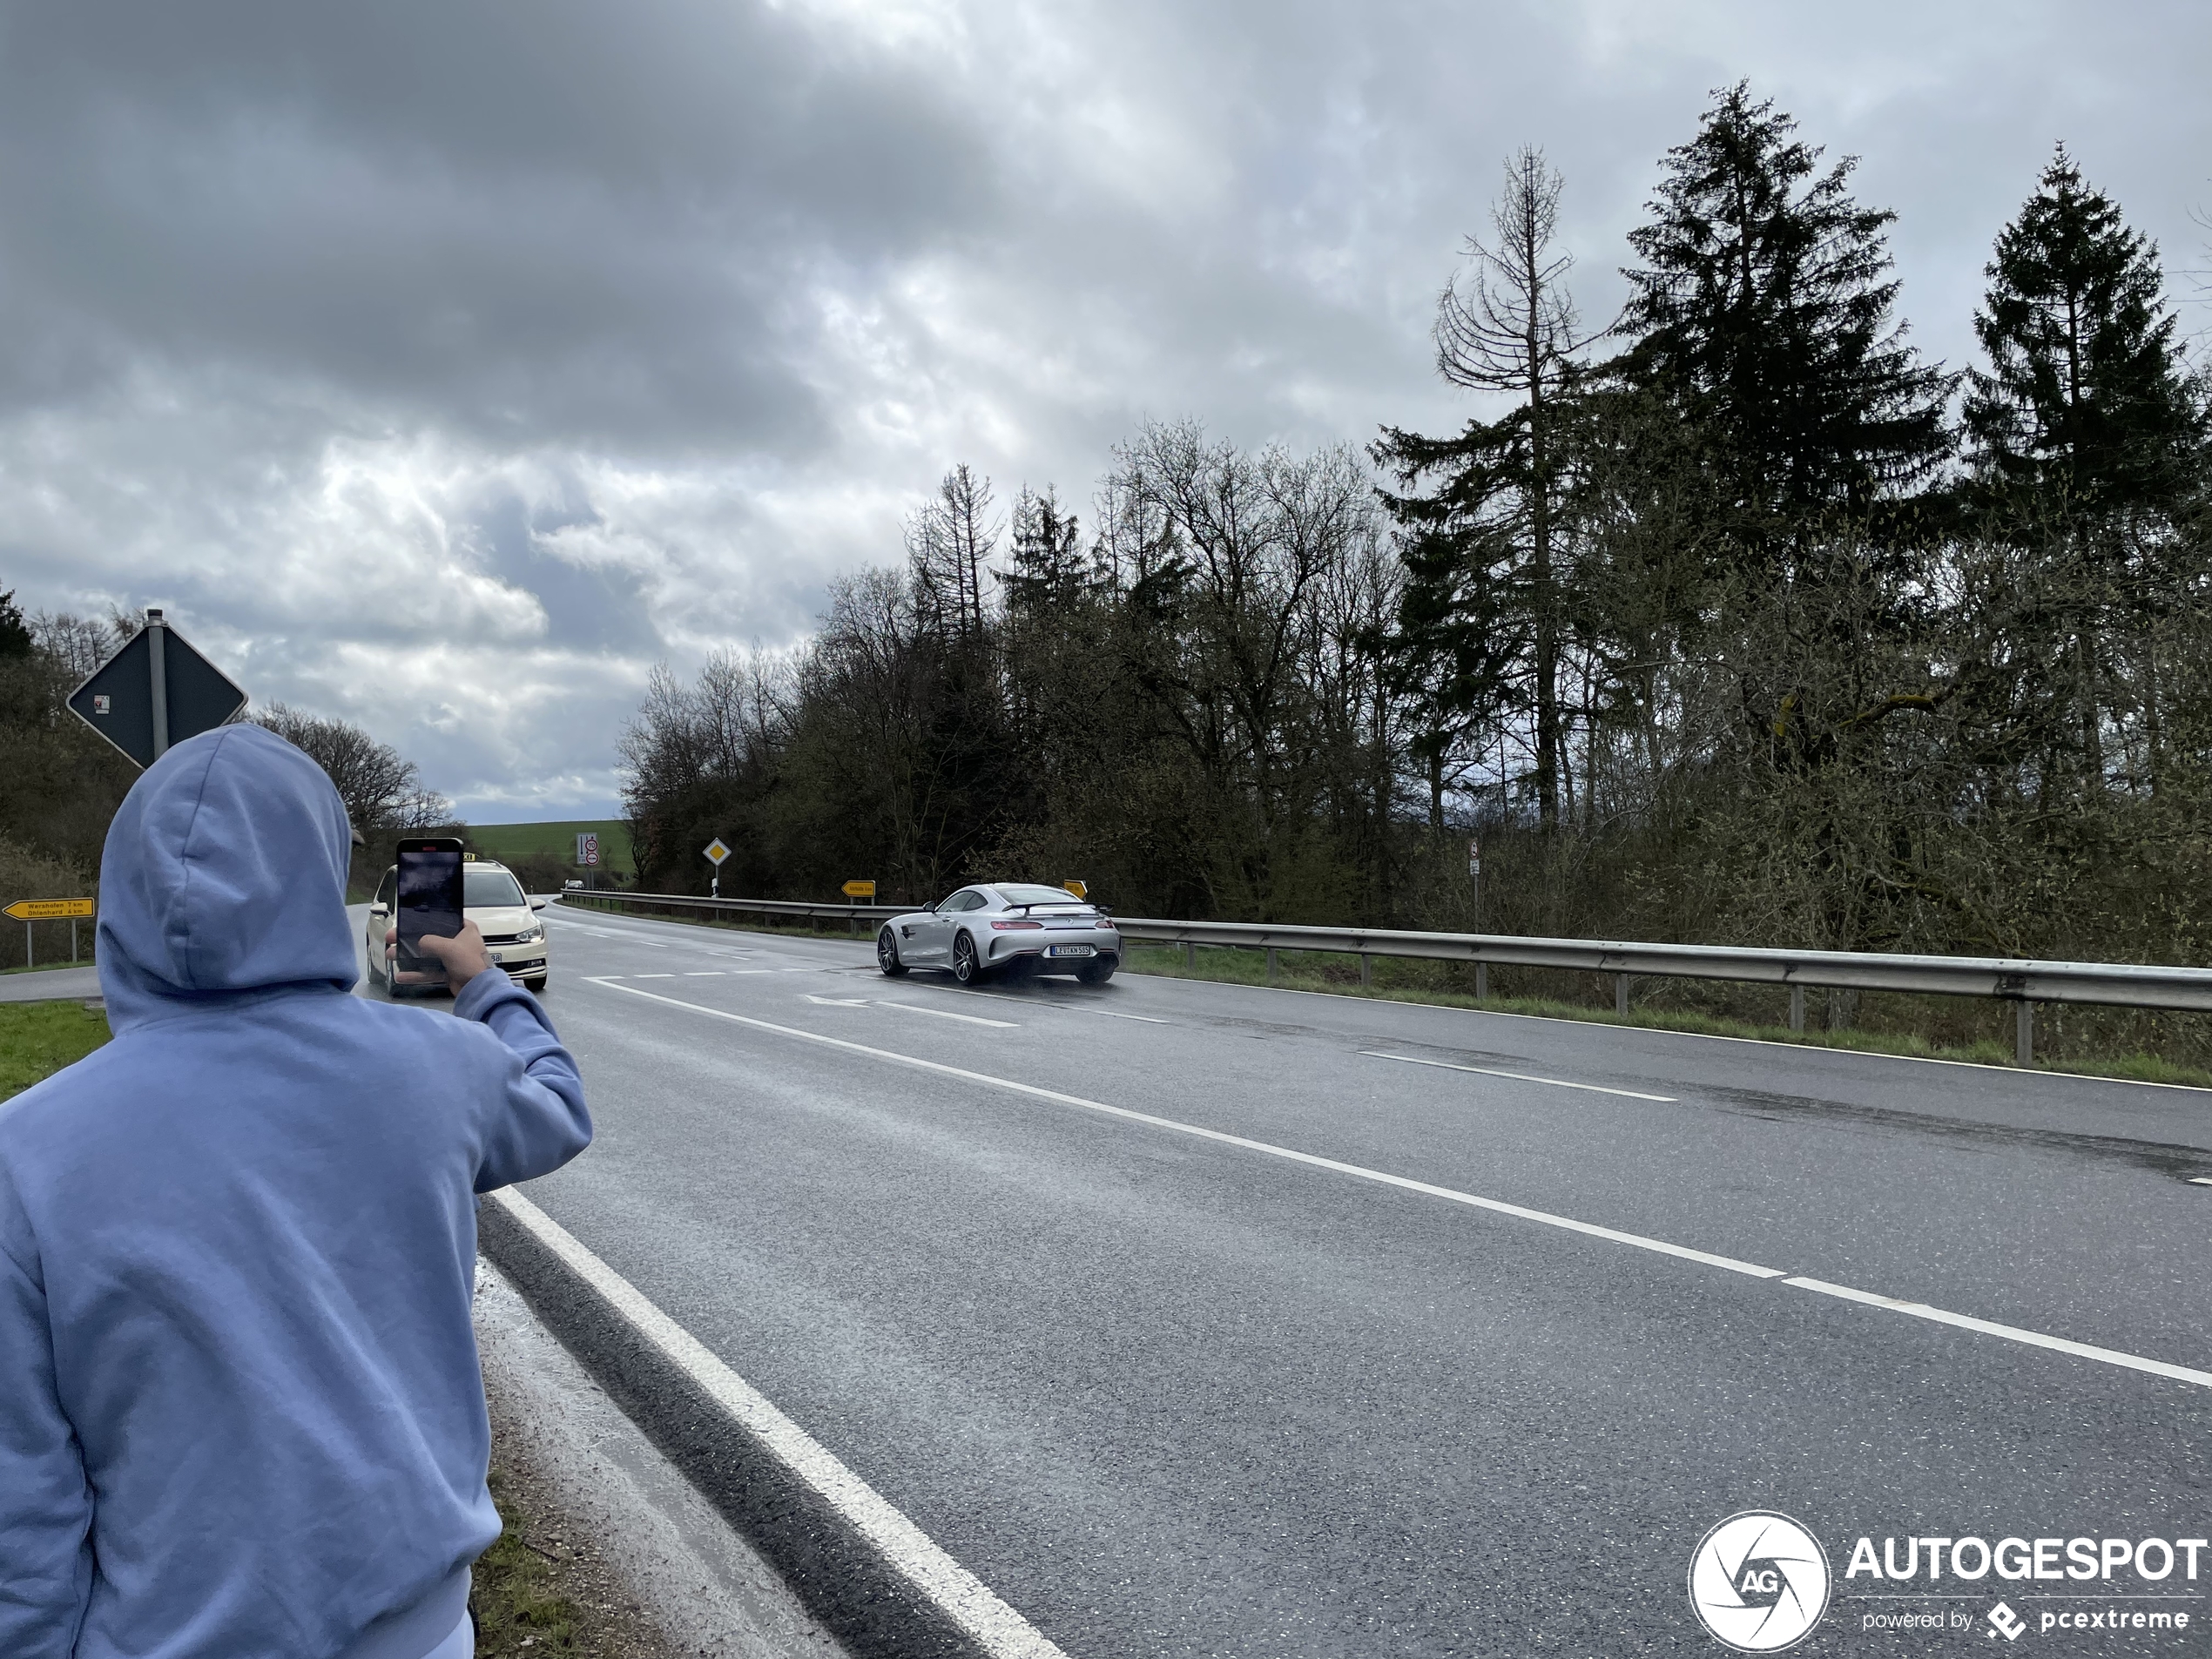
column 1071, row 950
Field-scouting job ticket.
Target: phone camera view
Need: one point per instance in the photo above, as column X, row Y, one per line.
column 430, row 902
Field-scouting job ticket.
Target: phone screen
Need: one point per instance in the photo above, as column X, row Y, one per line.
column 430, row 901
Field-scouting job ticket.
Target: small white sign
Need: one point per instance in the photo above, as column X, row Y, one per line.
column 99, row 703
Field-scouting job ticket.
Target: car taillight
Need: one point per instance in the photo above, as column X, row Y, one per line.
column 1107, row 923
column 1015, row 927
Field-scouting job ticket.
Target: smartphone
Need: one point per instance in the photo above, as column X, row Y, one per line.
column 429, row 902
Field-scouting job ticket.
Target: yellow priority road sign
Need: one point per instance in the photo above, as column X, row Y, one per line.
column 716, row 852
column 1078, row 888
column 859, row 889
column 47, row 909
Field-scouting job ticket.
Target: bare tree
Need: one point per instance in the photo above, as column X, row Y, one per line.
column 949, row 542
column 1512, row 329
column 382, row 789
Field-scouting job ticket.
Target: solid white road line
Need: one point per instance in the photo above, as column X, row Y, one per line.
column 1489, row 1071
column 944, row 1014
column 958, row 1593
column 1383, row 1178
column 2011, row 1333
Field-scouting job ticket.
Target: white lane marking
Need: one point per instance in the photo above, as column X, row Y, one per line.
column 834, row 1001
column 1382, row 1177
column 1109, row 1014
column 2011, row 1333
column 1566, row 1223
column 655, row 976
column 1518, row 1076
column 958, row 1593
column 2201, row 1180
column 944, row 1014
column 705, row 973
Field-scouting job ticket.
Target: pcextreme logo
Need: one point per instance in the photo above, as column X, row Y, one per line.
column 1759, row 1581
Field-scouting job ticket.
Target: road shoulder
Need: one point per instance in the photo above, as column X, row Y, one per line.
column 654, row 1570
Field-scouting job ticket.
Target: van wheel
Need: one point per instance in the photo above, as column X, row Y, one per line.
column 537, row 984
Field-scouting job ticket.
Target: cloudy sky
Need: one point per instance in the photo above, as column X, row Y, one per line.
column 443, row 366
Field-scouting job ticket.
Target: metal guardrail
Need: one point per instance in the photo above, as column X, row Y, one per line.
column 2022, row 982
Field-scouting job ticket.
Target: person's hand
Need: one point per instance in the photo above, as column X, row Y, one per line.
column 463, row 956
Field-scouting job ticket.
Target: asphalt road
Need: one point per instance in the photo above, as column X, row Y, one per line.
column 1172, row 1394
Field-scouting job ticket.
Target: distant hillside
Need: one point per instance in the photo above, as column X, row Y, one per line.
column 509, row 842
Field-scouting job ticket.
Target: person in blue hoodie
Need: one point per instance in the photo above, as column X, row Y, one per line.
column 240, row 1412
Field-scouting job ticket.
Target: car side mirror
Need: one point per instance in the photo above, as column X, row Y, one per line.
column 380, row 910
column 537, row 904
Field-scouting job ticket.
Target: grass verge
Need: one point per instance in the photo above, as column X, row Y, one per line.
column 46, row 968
column 38, row 1039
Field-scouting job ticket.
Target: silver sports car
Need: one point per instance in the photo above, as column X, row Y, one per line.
column 1005, row 927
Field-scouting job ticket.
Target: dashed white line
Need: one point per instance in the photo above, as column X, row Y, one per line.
column 1518, row 1076
column 965, row 1599
column 655, row 976
column 947, row 1014
column 1919, row 1310
column 704, row 973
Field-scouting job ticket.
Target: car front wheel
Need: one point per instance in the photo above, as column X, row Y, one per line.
column 886, row 955
column 965, row 969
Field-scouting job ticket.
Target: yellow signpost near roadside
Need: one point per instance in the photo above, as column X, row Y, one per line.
column 1078, row 888
column 27, row 911
column 859, row 889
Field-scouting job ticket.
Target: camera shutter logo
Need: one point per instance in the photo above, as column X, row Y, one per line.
column 1759, row 1581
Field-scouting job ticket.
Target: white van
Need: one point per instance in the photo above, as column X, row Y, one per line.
column 492, row 899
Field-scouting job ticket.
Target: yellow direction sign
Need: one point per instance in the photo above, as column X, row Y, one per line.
column 859, row 889
column 47, row 909
column 1078, row 888
column 716, row 852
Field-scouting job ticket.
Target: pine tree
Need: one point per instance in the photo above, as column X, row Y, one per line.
column 1762, row 312
column 2084, row 408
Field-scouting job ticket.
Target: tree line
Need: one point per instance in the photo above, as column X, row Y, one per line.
column 1731, row 617
column 60, row 782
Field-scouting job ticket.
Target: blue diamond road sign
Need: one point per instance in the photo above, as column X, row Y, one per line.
column 155, row 692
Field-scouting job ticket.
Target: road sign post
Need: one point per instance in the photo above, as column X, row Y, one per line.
column 715, row 853
column 155, row 692
column 27, row 911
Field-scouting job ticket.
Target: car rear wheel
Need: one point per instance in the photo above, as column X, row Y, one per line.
column 1097, row 971
column 965, row 969
column 886, row 955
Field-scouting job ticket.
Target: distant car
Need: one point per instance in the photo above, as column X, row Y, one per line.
column 1009, row 927
column 492, row 899
column 572, row 886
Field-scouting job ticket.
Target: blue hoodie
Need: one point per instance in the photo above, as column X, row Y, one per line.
column 240, row 1413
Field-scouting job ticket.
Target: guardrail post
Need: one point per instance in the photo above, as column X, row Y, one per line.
column 1190, row 955
column 1797, row 1007
column 1482, row 981
column 1366, row 972
column 2024, row 1032
column 1621, row 995
column 1271, row 964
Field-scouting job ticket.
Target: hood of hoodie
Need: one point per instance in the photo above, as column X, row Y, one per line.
column 223, row 878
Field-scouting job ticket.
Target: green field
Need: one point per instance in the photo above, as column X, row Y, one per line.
column 518, row 841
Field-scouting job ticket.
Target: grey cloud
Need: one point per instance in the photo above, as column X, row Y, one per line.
column 566, row 336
